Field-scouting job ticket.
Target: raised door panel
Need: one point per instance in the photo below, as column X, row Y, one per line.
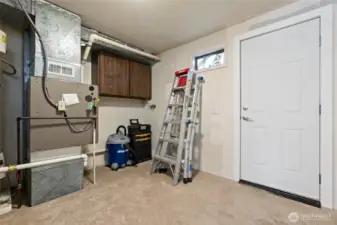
column 140, row 80
column 113, row 76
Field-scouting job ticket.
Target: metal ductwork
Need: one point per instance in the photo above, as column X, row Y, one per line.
column 97, row 41
column 61, row 33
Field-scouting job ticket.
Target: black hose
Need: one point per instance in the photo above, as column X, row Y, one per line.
column 44, row 57
column 118, row 128
column 10, row 65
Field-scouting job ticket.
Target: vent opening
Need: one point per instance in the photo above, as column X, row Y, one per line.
column 60, row 69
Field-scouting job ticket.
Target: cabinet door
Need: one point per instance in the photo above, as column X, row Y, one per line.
column 113, row 76
column 140, row 80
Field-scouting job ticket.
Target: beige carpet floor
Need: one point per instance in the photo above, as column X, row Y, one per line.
column 131, row 196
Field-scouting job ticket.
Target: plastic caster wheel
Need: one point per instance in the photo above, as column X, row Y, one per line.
column 190, row 180
column 185, row 180
column 114, row 166
column 129, row 163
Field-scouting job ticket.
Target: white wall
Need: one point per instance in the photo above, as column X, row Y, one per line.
column 216, row 155
column 113, row 112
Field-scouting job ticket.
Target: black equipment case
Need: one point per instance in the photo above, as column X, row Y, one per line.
column 140, row 136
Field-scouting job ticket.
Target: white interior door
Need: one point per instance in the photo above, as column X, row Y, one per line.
column 280, row 109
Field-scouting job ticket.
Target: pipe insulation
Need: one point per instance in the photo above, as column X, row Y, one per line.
column 43, row 163
column 94, row 37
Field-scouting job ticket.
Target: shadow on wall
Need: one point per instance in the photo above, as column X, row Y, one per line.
column 122, row 102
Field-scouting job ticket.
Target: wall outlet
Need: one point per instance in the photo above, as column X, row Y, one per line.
column 215, row 110
column 61, row 106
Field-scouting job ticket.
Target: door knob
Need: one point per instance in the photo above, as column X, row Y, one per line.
column 247, row 119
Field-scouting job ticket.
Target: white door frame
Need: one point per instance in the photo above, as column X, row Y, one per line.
column 326, row 95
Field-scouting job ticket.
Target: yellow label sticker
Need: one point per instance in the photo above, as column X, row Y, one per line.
column 96, row 100
column 143, row 139
column 4, row 38
column 142, row 135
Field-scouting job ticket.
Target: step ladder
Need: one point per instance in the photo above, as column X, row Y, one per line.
column 178, row 130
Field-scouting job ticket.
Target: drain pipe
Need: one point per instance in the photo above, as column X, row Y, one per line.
column 43, row 163
column 95, row 37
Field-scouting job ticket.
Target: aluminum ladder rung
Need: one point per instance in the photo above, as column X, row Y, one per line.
column 173, row 134
column 179, row 88
column 173, row 141
column 167, row 159
column 172, row 122
column 182, row 88
column 175, row 105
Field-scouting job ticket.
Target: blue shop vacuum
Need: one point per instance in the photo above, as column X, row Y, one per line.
column 120, row 154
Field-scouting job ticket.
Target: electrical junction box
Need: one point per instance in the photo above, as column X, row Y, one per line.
column 3, row 41
column 61, row 106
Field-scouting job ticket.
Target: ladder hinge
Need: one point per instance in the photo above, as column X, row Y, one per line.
column 320, row 40
column 320, row 109
column 320, row 179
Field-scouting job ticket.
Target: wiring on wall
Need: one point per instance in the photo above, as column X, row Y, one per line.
column 13, row 72
column 50, row 101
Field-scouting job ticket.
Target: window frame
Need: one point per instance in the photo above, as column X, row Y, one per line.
column 208, row 53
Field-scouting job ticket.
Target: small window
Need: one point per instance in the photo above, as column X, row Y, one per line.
column 210, row 60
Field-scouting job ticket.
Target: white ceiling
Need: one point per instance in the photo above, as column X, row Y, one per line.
column 158, row 25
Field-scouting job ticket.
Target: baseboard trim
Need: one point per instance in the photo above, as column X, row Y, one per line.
column 284, row 194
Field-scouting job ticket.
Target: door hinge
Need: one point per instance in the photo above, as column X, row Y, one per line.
column 320, row 109
column 320, row 40
column 320, row 179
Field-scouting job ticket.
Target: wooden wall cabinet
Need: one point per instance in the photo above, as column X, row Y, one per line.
column 140, row 80
column 120, row 77
column 113, row 75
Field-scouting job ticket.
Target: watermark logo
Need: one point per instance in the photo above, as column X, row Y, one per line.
column 294, row 217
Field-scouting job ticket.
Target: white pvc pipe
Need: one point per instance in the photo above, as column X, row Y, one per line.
column 94, row 153
column 95, row 37
column 44, row 163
